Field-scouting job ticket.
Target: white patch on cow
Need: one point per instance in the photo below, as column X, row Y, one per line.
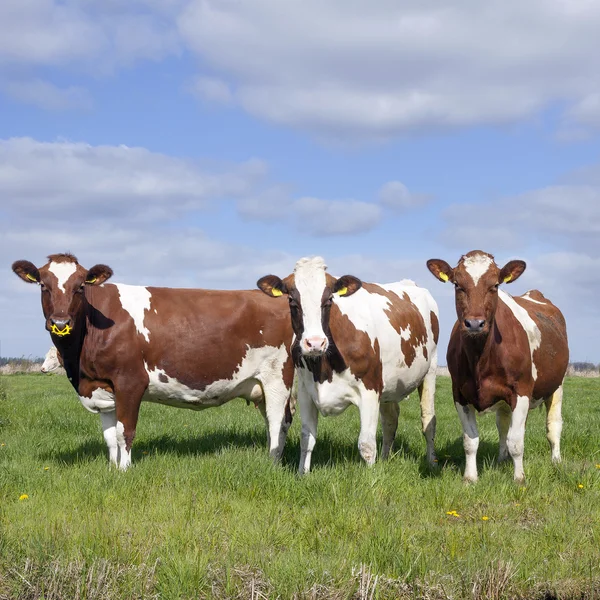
column 124, row 455
column 51, row 362
column 259, row 365
column 309, row 276
column 135, row 300
column 477, row 266
column 62, row 271
column 533, row 332
column 100, row 401
column 260, row 331
column 526, row 296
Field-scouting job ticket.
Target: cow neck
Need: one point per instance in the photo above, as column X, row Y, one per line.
column 70, row 347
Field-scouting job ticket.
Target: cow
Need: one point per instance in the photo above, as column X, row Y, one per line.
column 359, row 343
column 189, row 348
column 52, row 361
column 506, row 354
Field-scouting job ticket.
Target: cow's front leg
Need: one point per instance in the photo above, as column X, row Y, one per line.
column 369, row 418
column 468, row 419
column 515, row 439
column 109, row 429
column 308, row 437
column 128, row 400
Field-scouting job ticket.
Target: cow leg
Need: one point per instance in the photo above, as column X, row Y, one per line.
column 389, row 412
column 109, row 429
column 502, row 423
column 308, row 437
column 276, row 398
column 428, row 420
column 128, row 400
column 554, row 422
column 468, row 419
column 515, row 439
column 369, row 419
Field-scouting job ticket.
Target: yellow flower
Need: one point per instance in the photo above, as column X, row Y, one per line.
column 597, row 466
column 23, row 497
column 3, row 444
column 580, row 486
column 452, row 513
column 46, row 468
column 485, row 518
column 145, row 452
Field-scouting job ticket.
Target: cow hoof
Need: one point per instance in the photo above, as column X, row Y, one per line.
column 520, row 481
column 469, row 479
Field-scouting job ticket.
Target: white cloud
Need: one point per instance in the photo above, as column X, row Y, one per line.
column 47, row 95
column 396, row 195
column 381, row 69
column 212, row 89
column 334, row 217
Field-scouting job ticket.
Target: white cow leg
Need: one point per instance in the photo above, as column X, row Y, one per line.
column 109, row 429
column 308, row 437
column 262, row 407
column 124, row 454
column 389, row 412
column 515, row 440
column 428, row 419
column 554, row 422
column 275, row 401
column 369, row 419
column 468, row 419
column 503, row 417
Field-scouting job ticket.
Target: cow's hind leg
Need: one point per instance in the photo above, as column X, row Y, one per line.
column 554, row 422
column 109, row 429
column 428, row 419
column 277, row 419
column 369, row 418
column 503, row 423
column 389, row 412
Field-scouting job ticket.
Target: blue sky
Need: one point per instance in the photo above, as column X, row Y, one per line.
column 206, row 143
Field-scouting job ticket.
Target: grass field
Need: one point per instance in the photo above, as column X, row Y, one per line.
column 203, row 513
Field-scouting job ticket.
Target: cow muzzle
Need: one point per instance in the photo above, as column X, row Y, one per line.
column 60, row 327
column 475, row 326
column 314, row 346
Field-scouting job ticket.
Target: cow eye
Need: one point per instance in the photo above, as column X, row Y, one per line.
column 458, row 288
column 329, row 301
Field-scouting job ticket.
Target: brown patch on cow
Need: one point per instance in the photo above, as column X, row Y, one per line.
column 402, row 314
column 435, row 327
column 162, row 377
column 65, row 257
column 241, row 315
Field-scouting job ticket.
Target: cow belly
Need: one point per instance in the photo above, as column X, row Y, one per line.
column 101, row 400
column 333, row 397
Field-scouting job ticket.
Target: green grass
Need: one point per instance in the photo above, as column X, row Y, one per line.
column 203, row 512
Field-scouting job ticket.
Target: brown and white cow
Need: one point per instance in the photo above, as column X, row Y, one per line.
column 359, row 343
column 187, row 348
column 506, row 354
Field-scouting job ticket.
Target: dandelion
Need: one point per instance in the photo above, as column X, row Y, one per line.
column 580, row 486
column 597, row 466
column 23, row 497
column 145, row 452
column 46, row 468
column 452, row 513
column 3, row 444
column 484, row 518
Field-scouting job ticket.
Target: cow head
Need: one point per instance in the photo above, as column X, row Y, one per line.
column 62, row 282
column 476, row 279
column 311, row 292
column 52, row 361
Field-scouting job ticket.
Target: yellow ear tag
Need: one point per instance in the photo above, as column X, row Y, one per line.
column 275, row 292
column 93, row 280
column 342, row 291
column 444, row 277
column 507, row 278
column 31, row 278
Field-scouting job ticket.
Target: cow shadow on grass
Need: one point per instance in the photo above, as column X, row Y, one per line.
column 210, row 443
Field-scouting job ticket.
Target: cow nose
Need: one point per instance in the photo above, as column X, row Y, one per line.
column 475, row 325
column 315, row 343
column 60, row 322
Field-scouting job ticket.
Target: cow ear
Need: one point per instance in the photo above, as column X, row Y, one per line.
column 98, row 274
column 347, row 285
column 26, row 271
column 440, row 269
column 272, row 285
column 511, row 271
